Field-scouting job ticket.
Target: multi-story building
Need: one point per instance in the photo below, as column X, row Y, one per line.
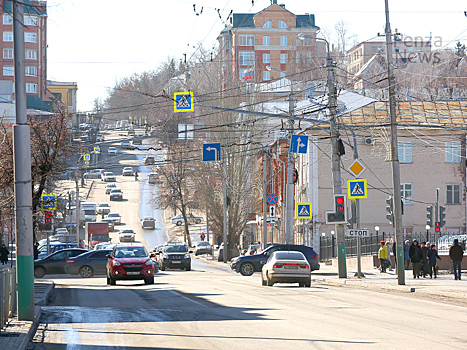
column 66, row 93
column 251, row 42
column 35, row 42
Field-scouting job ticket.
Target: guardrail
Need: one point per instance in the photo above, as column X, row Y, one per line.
column 7, row 295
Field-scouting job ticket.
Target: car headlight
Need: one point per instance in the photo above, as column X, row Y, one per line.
column 187, row 256
column 165, row 256
column 115, row 263
column 149, row 262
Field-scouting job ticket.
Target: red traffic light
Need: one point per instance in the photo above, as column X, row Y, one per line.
column 48, row 214
column 437, row 227
column 339, row 199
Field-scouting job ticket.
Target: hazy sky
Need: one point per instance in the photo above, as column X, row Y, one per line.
column 97, row 42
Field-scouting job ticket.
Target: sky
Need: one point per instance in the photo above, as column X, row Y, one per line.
column 98, row 42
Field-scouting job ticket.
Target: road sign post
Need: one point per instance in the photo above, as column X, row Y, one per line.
column 299, row 144
column 359, row 233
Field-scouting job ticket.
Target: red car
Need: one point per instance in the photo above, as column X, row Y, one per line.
column 130, row 262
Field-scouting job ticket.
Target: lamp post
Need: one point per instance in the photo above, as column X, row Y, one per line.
column 336, row 156
column 427, row 227
column 290, row 167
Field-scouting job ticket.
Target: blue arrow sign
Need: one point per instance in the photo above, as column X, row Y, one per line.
column 211, row 152
column 299, row 144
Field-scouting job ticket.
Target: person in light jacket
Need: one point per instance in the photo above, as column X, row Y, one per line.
column 383, row 255
column 432, row 256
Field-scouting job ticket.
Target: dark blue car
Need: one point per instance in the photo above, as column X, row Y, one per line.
column 89, row 264
column 248, row 264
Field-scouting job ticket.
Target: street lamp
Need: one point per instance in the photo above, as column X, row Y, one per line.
column 290, row 167
column 427, row 227
column 377, row 231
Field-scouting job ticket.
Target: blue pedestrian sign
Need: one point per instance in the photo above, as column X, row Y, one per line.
column 299, row 144
column 303, row 211
column 97, row 149
column 272, row 198
column 87, row 157
column 49, row 201
column 183, row 102
column 211, row 152
column 357, row 188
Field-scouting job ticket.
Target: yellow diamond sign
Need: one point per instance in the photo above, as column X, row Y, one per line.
column 356, row 168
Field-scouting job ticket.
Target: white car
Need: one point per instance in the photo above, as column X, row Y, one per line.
column 127, row 145
column 109, row 177
column 109, row 187
column 112, row 151
column 127, row 235
column 128, row 171
column 61, row 230
column 94, row 174
column 192, row 219
column 286, row 267
column 116, row 194
column 103, row 208
column 116, row 218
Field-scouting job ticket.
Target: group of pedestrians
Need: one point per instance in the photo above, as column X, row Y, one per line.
column 424, row 259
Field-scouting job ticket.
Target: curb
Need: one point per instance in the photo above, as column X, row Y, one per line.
column 45, row 288
column 32, row 330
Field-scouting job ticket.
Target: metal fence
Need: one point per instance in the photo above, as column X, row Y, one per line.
column 7, row 295
column 369, row 245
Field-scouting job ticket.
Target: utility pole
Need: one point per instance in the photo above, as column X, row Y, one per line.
column 265, row 204
column 395, row 154
column 224, row 190
column 290, row 166
column 77, row 206
column 22, row 173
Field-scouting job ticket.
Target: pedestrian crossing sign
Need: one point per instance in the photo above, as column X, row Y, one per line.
column 357, row 188
column 303, row 210
column 183, row 102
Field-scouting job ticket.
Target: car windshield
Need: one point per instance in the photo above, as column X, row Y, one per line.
column 128, row 231
column 113, row 215
column 148, row 219
column 289, row 256
column 104, row 205
column 130, row 252
column 108, row 174
column 203, row 243
column 116, row 190
column 176, row 249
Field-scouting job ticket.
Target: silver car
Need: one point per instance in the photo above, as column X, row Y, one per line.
column 116, row 218
column 286, row 267
column 128, row 171
column 127, row 235
column 109, row 177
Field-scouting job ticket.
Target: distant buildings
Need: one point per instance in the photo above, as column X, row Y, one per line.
column 66, row 94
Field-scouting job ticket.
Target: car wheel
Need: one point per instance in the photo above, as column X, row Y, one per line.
column 301, row 284
column 188, row 268
column 39, row 272
column 108, row 279
column 178, row 223
column 269, row 283
column 149, row 280
column 263, row 281
column 198, row 221
column 247, row 269
column 86, row 271
column 112, row 281
column 307, row 283
column 196, row 253
column 162, row 268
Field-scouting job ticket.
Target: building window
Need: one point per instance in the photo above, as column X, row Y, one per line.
column 283, row 75
column 266, row 75
column 406, row 193
column 453, row 194
column 282, row 25
column 405, row 152
column 284, row 57
column 268, row 24
column 266, row 58
column 31, row 88
column 246, row 40
column 247, row 58
column 453, row 152
column 30, row 54
column 8, row 71
column 8, row 53
column 31, row 71
column 30, row 20
column 7, row 36
column 7, row 19
column 284, row 40
column 30, row 37
column 266, row 40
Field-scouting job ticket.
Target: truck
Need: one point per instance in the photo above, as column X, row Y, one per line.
column 96, row 232
column 87, row 212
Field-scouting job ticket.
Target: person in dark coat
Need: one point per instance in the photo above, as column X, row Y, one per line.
column 416, row 256
column 394, row 251
column 424, row 270
column 4, row 254
column 432, row 256
column 456, row 253
column 36, row 251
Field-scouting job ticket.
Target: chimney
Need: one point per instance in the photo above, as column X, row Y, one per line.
column 273, row 2
column 282, row 5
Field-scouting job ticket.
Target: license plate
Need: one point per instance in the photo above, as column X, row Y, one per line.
column 176, row 262
column 133, row 273
column 290, row 267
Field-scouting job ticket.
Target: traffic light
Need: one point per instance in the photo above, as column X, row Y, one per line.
column 429, row 215
column 390, row 210
column 437, row 226
column 339, row 215
column 48, row 218
column 442, row 215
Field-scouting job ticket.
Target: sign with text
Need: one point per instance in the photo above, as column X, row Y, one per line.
column 356, row 232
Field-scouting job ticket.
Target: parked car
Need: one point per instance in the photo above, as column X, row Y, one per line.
column 137, row 142
column 108, row 177
column 248, row 264
column 148, row 222
column 220, row 256
column 109, row 187
column 253, row 249
column 128, row 171
column 175, row 256
column 112, row 151
column 94, row 174
column 116, row 194
column 203, row 247
column 192, row 219
column 286, row 267
column 61, row 230
column 130, row 263
column 55, row 262
column 127, row 235
column 153, row 178
column 149, row 160
column 103, row 208
column 115, row 217
column 88, row 264
column 105, row 246
column 110, row 222
column 55, row 246
column 126, row 145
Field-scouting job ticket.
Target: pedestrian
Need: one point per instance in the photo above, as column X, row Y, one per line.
column 383, row 255
column 36, row 251
column 432, row 256
column 406, row 254
column 4, row 254
column 416, row 256
column 394, row 251
column 456, row 254
column 389, row 256
column 424, row 267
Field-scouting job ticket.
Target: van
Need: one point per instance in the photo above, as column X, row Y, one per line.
column 153, row 178
column 88, row 211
